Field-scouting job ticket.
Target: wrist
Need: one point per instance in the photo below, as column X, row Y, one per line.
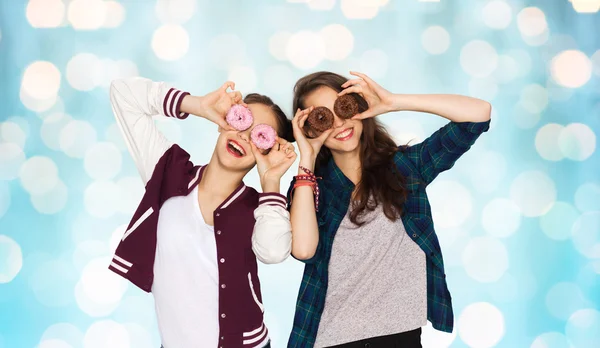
column 192, row 105
column 270, row 185
column 308, row 163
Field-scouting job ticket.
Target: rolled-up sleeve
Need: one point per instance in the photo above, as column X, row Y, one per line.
column 272, row 237
column 443, row 148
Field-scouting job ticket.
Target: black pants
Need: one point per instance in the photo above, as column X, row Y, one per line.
column 408, row 339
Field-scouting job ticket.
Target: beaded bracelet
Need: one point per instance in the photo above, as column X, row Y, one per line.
column 308, row 180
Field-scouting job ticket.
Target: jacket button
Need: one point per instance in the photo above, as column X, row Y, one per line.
column 414, row 235
column 223, row 315
column 222, row 260
column 223, row 286
column 218, row 214
column 219, row 232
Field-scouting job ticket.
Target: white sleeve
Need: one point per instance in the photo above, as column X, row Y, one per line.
column 272, row 237
column 134, row 102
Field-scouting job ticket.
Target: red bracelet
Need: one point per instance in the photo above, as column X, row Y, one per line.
column 308, row 180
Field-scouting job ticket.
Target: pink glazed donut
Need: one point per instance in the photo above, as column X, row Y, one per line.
column 263, row 136
column 239, row 117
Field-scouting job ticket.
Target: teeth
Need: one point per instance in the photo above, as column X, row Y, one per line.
column 344, row 134
column 237, row 147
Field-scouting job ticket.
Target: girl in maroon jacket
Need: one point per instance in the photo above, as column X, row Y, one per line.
column 195, row 237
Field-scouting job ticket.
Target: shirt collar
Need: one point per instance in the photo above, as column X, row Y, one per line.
column 334, row 176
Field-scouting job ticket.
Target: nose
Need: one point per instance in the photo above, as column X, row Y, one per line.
column 244, row 135
column 338, row 122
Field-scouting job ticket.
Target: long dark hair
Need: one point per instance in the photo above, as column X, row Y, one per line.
column 380, row 182
column 285, row 130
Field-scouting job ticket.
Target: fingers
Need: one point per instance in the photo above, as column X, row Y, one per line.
column 228, row 84
column 324, row 135
column 352, row 82
column 300, row 117
column 358, row 89
column 236, row 97
column 363, row 76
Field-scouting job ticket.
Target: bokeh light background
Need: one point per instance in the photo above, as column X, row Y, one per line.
column 518, row 217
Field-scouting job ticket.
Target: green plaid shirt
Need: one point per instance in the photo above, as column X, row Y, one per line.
column 420, row 164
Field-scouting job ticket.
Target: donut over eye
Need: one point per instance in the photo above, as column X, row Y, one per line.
column 320, row 119
column 239, row 117
column 263, row 136
column 346, row 106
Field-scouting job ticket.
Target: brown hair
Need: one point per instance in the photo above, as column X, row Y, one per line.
column 285, row 130
column 380, row 178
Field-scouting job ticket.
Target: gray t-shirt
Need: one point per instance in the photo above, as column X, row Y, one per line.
column 377, row 282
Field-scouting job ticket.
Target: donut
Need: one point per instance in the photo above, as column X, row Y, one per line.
column 239, row 117
column 345, row 106
column 263, row 136
column 320, row 119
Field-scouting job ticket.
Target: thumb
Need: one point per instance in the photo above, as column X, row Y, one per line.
column 256, row 152
column 324, row 135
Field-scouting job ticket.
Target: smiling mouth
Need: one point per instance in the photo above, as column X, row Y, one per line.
column 345, row 135
column 235, row 149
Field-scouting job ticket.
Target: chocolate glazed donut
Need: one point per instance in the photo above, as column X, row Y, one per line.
column 346, row 106
column 320, row 119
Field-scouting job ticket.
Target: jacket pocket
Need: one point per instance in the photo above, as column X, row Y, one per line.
column 260, row 305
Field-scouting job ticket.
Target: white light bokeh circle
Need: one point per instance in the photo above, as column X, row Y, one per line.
column 583, row 328
column 39, row 175
column 52, row 283
column 507, row 69
column 37, row 105
column 89, row 250
column 586, row 234
column 563, row 299
column 533, row 192
column 558, row 222
column 481, row 325
column 405, row 130
column 45, row 13
column 546, row 142
column 175, row 11
column 305, row 49
column 87, row 14
column 76, row 137
column 571, row 68
column 100, row 284
column 11, row 132
column 106, row 333
column 577, row 141
column 488, row 171
column 244, row 77
column 114, row 136
column 532, row 21
column 170, row 42
column 54, row 343
column 435, row 40
column 131, row 190
column 65, row 332
column 451, row 203
column 432, row 338
column 111, row 70
column 551, row 340
column 483, row 88
column 41, row 80
column 338, row 40
column 538, row 40
column 359, row 9
column 478, row 58
column 501, row 217
column 138, row 309
column 102, row 198
column 586, row 6
column 12, row 158
column 485, row 259
column 278, row 44
column 84, row 71
column 51, row 129
column 102, row 161
column 497, row 14
column 374, row 63
column 115, row 14
column 138, row 335
column 586, row 197
column 534, row 98
column 11, row 259
column 53, row 201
